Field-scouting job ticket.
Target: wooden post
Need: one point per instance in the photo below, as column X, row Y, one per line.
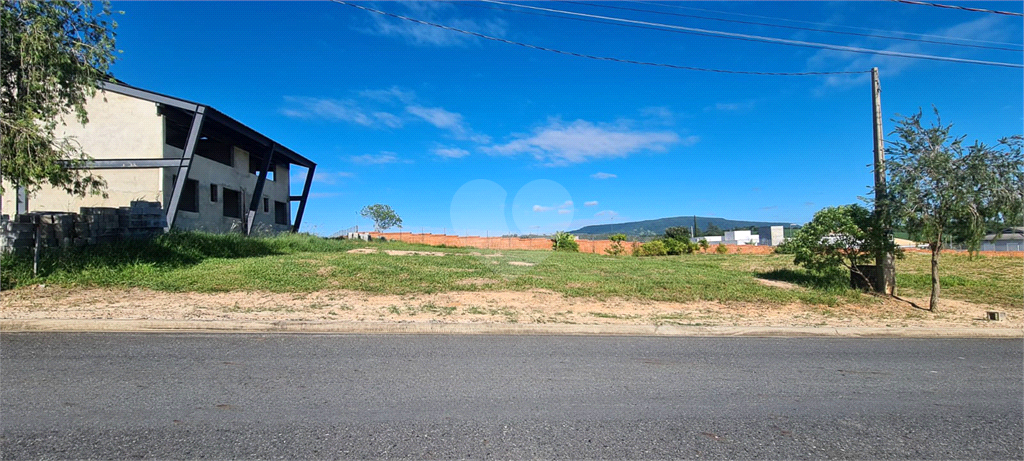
column 886, row 278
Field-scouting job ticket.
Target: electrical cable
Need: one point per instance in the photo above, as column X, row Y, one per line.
column 955, row 7
column 809, row 29
column 780, row 41
column 570, row 18
column 588, row 56
column 797, row 21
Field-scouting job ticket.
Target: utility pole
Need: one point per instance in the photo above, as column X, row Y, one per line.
column 886, row 264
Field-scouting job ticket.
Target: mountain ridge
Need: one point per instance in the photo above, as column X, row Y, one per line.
column 658, row 226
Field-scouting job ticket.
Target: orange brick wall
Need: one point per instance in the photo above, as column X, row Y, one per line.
column 516, row 243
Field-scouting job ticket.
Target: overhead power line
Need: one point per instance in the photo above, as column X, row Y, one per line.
column 781, row 41
column 797, row 21
column 955, row 7
column 583, row 55
column 809, row 29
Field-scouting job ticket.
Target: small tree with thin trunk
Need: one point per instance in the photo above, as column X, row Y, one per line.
column 840, row 237
column 938, row 187
column 383, row 217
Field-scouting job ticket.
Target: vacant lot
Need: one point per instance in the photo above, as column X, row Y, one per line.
column 306, row 278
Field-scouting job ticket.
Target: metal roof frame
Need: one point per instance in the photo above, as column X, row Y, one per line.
column 210, row 114
column 201, row 114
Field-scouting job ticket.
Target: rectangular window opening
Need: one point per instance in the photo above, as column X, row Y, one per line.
column 189, row 199
column 266, row 205
column 232, row 203
column 213, row 192
column 280, row 213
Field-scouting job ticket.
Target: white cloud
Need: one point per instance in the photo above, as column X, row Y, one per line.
column 606, row 213
column 559, row 144
column 437, row 116
column 389, row 95
column 324, row 194
column 590, row 203
column 659, row 114
column 337, row 109
column 731, row 106
column 450, row 152
column 380, row 159
column 424, row 35
column 388, row 119
column 326, row 177
column 990, row 28
column 449, row 121
column 600, row 175
column 564, row 211
column 542, row 209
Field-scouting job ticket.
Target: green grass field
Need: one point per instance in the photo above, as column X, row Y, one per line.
column 302, row 263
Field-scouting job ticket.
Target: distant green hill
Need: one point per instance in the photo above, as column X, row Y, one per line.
column 657, row 226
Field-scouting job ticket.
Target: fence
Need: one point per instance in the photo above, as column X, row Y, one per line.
column 523, row 243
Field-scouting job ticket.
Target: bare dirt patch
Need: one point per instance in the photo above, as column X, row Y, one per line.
column 362, row 251
column 520, row 263
column 413, row 253
column 532, row 307
column 476, row 282
column 779, row 284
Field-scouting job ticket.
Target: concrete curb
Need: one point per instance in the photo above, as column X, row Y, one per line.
column 256, row 326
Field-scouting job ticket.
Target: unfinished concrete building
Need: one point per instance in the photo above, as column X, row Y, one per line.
column 208, row 171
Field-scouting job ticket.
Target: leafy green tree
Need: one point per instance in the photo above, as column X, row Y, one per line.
column 713, row 230
column 564, row 241
column 839, row 237
column 678, row 233
column 616, row 248
column 54, row 55
column 383, row 217
column 939, row 187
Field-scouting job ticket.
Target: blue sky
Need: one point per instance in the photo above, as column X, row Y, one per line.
column 472, row 136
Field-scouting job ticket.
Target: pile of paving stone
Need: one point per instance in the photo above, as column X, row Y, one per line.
column 91, row 226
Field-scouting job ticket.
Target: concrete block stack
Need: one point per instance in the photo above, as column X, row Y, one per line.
column 91, row 226
column 98, row 225
column 18, row 234
column 145, row 219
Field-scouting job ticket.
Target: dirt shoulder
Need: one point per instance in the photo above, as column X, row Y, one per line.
column 534, row 307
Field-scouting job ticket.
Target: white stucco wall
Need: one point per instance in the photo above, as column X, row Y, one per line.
column 119, row 127
column 739, row 237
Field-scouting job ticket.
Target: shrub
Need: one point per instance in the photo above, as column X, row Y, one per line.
column 703, row 244
column 787, row 247
column 616, row 248
column 721, row 249
column 653, row 248
column 679, row 247
column 564, row 241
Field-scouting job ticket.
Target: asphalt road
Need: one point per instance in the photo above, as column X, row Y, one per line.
column 338, row 396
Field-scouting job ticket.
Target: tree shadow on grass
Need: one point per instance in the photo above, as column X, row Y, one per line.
column 807, row 279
